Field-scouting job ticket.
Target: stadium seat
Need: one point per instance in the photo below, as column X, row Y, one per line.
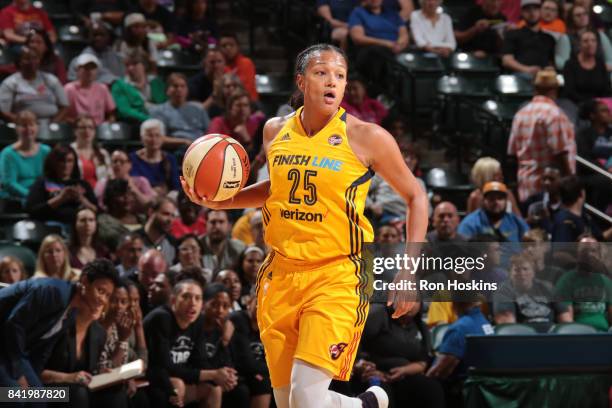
column 5, row 57
column 465, row 64
column 512, row 87
column 24, row 254
column 55, row 133
column 117, row 131
column 7, row 134
column 437, row 334
column 451, row 186
column 572, row 328
column 514, row 329
column 72, row 34
column 30, row 233
column 179, row 61
column 273, row 84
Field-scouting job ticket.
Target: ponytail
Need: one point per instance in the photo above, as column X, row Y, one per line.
column 296, row 100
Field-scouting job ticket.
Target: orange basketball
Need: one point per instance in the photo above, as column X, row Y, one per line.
column 216, row 166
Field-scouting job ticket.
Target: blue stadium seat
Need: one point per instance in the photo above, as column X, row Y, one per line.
column 514, row 329
column 572, row 328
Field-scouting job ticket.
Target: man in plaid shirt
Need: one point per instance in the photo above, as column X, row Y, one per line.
column 541, row 135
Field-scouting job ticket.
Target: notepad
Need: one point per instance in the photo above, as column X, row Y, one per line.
column 117, row 375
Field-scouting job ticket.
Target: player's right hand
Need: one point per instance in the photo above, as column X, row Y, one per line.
column 195, row 198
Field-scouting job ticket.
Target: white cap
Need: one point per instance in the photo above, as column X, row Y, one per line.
column 85, row 59
column 134, row 18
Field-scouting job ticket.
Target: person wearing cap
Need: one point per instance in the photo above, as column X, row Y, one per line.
column 100, row 44
column 541, row 134
column 153, row 11
column 135, row 37
column 492, row 217
column 86, row 96
column 529, row 49
column 35, row 313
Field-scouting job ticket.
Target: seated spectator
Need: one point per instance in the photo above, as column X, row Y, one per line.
column 536, row 245
column 135, row 38
column 449, row 365
column 128, row 253
column 54, row 260
column 549, row 19
column 578, row 21
column 257, row 231
column 136, row 92
column 432, row 31
column 189, row 254
column 152, row 10
column 241, row 229
column 100, row 45
column 32, row 89
column 156, row 231
column 195, row 30
column 32, row 318
column 85, row 245
column 238, row 64
column 220, row 251
column 245, row 323
column 191, row 219
column 12, row 270
column 585, row 75
column 60, row 192
column 540, row 208
column 594, row 143
column 541, row 135
column 336, row 14
column 21, row 163
column 398, row 352
column 224, row 347
column 86, row 96
column 109, row 12
column 38, row 40
column 94, row 161
column 484, row 170
column 138, row 185
column 121, row 216
column 240, row 122
column 247, row 267
column 492, row 217
column 594, row 17
column 183, row 120
column 150, row 265
column 526, row 299
column 476, row 32
column 201, row 84
column 357, row 102
column 445, row 221
column 125, row 341
column 18, row 18
column 378, row 34
column 159, row 292
column 528, row 50
column 223, row 87
column 496, row 261
column 74, row 359
column 587, row 292
column 230, row 279
column 571, row 220
column 178, row 369
column 151, row 162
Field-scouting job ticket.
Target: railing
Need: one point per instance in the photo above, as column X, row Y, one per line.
column 603, row 172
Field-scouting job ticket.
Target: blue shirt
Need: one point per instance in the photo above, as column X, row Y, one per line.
column 162, row 173
column 453, row 343
column 384, row 26
column 340, row 9
column 30, row 313
column 512, row 228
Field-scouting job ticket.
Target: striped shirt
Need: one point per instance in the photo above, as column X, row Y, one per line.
column 540, row 131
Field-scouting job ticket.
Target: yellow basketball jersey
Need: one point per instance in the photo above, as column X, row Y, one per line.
column 318, row 192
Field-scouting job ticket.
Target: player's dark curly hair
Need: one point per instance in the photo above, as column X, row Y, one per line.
column 101, row 269
column 301, row 63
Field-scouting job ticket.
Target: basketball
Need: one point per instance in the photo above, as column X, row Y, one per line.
column 216, row 166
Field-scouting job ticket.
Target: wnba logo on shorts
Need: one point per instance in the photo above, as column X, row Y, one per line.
column 336, row 349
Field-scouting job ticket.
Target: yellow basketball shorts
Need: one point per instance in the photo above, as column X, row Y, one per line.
column 312, row 312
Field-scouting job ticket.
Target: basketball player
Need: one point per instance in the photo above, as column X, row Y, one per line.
column 312, row 300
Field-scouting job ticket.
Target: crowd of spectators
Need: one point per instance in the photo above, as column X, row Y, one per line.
column 154, row 277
